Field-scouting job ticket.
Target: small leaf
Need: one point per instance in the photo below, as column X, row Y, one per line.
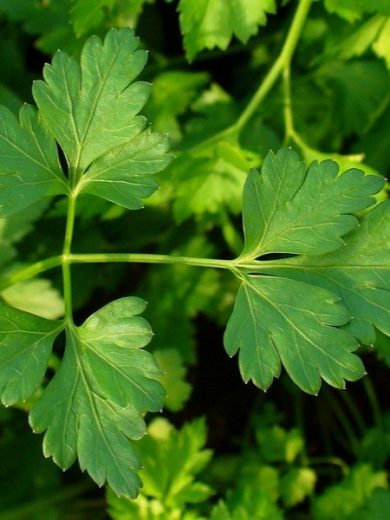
column 353, row 9
column 95, row 402
column 26, row 343
column 279, row 320
column 172, row 460
column 173, row 378
column 213, row 23
column 344, row 499
column 279, row 445
column 296, row 485
column 291, row 209
column 92, row 110
column 37, row 296
column 28, row 159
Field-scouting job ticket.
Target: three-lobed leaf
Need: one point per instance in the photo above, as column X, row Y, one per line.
column 92, row 109
column 29, row 167
column 308, row 311
column 293, row 209
column 213, row 23
column 96, row 400
column 26, row 343
column 172, row 458
column 276, row 320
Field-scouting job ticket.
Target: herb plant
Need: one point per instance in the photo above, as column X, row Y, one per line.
column 310, row 274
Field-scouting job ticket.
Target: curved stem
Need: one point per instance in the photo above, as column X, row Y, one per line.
column 283, row 60
column 287, row 105
column 278, row 66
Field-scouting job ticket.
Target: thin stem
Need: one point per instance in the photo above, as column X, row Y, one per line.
column 372, row 398
column 149, row 259
column 283, row 60
column 336, row 461
column 67, row 258
column 287, row 106
column 66, row 271
column 29, row 272
column 351, row 438
column 354, row 412
column 278, row 66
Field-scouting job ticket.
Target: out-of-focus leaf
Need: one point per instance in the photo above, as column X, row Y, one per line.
column 36, row 296
column 343, row 500
column 173, row 379
column 206, row 24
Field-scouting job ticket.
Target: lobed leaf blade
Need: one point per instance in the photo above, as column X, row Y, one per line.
column 92, row 109
column 93, row 406
column 358, row 273
column 213, row 23
column 25, row 346
column 276, row 320
column 28, row 159
column 291, row 209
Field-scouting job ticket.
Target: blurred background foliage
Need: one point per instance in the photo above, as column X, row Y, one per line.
column 223, row 450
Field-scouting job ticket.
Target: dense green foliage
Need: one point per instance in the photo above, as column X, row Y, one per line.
column 301, row 293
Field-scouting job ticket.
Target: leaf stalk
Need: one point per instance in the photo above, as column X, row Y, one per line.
column 66, row 270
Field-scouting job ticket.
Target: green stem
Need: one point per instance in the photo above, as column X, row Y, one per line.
column 29, row 272
column 336, row 461
column 287, row 107
column 351, row 438
column 372, row 398
column 283, row 59
column 66, row 271
column 68, row 258
column 149, row 259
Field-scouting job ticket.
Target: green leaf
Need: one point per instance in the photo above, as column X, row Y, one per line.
column 173, row 379
column 213, row 23
column 48, row 20
column 372, row 33
column 278, row 320
column 94, row 403
column 376, row 507
column 26, row 342
column 14, row 228
column 381, row 46
column 359, row 273
column 279, row 445
column 28, row 159
column 172, row 460
column 293, row 209
column 297, row 311
column 211, row 182
column 343, row 500
column 220, row 512
column 353, row 9
column 88, row 14
column 296, row 485
column 171, row 96
column 360, row 93
column 37, row 296
column 92, row 110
